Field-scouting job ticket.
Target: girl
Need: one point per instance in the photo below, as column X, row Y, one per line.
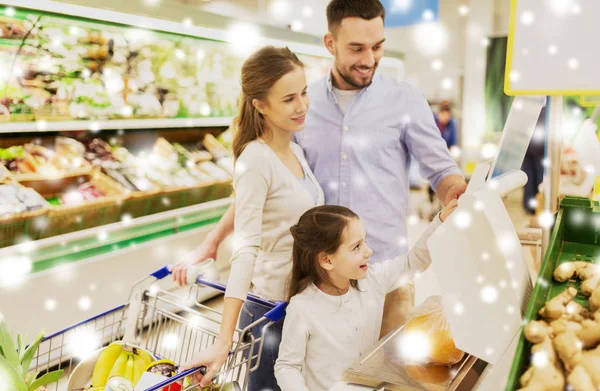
column 274, row 186
column 332, row 318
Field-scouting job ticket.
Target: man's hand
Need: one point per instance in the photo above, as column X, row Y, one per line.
column 455, row 191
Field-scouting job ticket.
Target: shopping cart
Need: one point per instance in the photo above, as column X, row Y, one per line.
column 169, row 326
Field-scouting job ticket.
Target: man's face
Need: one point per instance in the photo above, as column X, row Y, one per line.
column 357, row 46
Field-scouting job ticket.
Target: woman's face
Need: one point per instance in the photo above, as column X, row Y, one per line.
column 286, row 105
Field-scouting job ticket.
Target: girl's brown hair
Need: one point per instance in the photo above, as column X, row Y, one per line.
column 318, row 231
column 259, row 73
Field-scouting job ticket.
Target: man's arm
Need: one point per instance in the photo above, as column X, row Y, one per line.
column 451, row 187
column 422, row 138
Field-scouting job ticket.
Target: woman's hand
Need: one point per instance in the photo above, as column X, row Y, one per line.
column 447, row 211
column 212, row 358
column 206, row 250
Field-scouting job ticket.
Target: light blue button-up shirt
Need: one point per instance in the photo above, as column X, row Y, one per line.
column 361, row 158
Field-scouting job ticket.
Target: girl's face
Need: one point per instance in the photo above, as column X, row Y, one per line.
column 286, row 105
column 350, row 261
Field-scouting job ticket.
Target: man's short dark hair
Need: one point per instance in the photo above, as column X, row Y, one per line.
column 338, row 10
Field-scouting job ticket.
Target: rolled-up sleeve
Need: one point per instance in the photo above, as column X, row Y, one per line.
column 251, row 184
column 424, row 141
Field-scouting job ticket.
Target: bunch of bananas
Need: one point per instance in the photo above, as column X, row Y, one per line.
column 119, row 359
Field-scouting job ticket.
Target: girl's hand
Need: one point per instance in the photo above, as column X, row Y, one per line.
column 447, row 211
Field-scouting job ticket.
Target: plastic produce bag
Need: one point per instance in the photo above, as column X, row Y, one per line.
column 430, row 319
column 425, row 338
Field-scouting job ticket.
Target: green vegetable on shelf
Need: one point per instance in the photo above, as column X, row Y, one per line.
column 13, row 152
column 55, row 201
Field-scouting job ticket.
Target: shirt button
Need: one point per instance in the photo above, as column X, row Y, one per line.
column 344, row 185
column 344, row 156
column 345, row 128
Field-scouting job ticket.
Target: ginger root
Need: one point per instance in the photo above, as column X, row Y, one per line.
column 561, row 341
column 537, row 331
column 589, row 333
column 545, row 373
column 583, row 270
column 556, row 307
column 588, row 273
column 569, row 349
column 586, row 375
column 580, row 380
column 549, row 377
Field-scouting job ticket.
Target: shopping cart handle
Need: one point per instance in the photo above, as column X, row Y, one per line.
column 161, row 273
column 277, row 313
column 173, row 379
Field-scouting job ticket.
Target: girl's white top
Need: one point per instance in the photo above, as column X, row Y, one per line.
column 324, row 335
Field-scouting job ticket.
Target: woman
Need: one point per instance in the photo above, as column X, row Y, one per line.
column 273, row 187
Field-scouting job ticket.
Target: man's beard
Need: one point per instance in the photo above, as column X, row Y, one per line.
column 348, row 79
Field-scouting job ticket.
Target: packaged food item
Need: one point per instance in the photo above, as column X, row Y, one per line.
column 68, row 154
column 85, row 192
column 158, row 372
column 10, row 157
column 15, row 199
column 118, row 383
column 226, row 163
column 118, row 177
column 99, row 153
column 429, row 319
column 197, row 152
column 214, row 146
column 214, row 171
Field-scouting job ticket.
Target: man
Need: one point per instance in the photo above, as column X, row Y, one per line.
column 360, row 131
column 446, row 124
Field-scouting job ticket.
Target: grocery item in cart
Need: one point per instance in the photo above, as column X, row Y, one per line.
column 118, row 383
column 165, row 368
column 117, row 365
column 15, row 360
column 158, row 372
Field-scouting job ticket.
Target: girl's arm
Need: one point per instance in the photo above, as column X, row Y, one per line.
column 397, row 271
column 292, row 351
